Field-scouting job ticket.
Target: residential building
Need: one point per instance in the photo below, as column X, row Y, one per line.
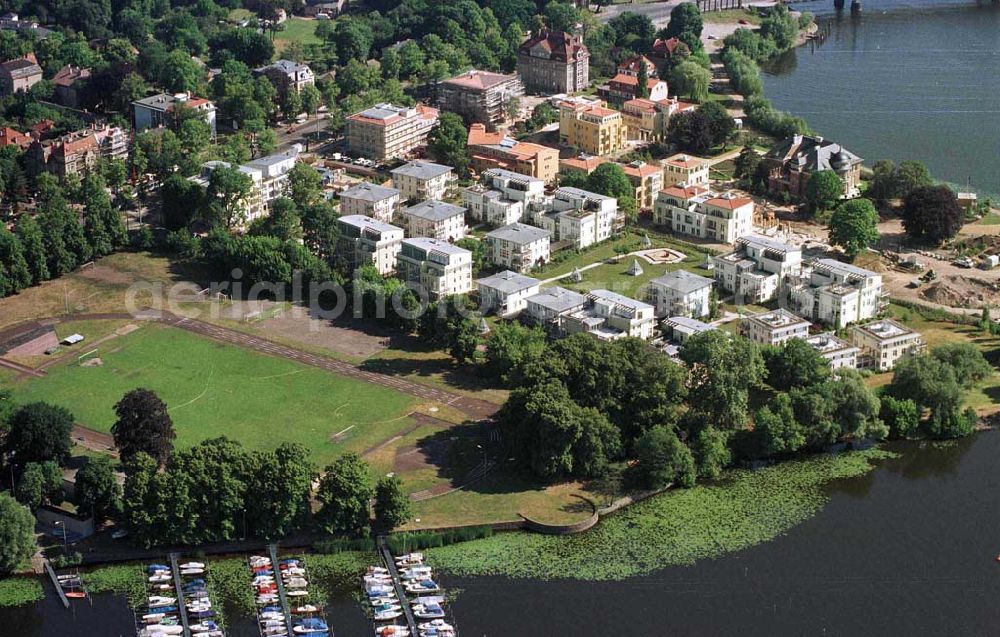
column 646, row 179
column 440, row 268
column 365, row 241
column 579, row 217
column 685, row 170
column 790, row 164
column 421, row 180
column 19, row 75
column 610, row 316
column 253, row 206
column 518, row 247
column 496, row 150
column 506, row 293
column 75, row 153
column 837, row 294
column 681, row 328
column 11, row 22
column 10, row 136
column 553, row 62
column 588, row 125
column 325, row 10
column 681, row 293
column 385, row 131
column 274, row 171
column 68, row 82
column 840, row 353
column 552, row 305
column 157, row 111
column 701, row 213
column 757, row 269
column 287, row 75
column 662, row 50
column 882, row 343
column 435, row 219
column 379, row 202
column 480, row 96
column 774, row 327
column 514, row 185
column 490, row 206
column 624, row 86
column 648, row 120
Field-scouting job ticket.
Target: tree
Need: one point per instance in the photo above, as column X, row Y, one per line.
column 691, row 79
column 823, row 191
column 856, row 408
column 448, row 141
column 561, row 16
column 510, row 348
column 14, row 272
column 180, row 73
column 283, row 222
column 931, row 214
column 723, row 369
column 279, row 490
column 966, row 361
column 854, row 226
column 642, row 86
column 29, row 235
column 227, row 195
column 194, row 133
column 610, row 179
column 745, row 167
column 910, row 175
column 777, row 429
column 392, row 505
column 883, row 186
column 181, row 199
column 39, row 432
column 931, row 385
column 305, row 185
column 795, row 364
column 900, row 416
column 664, row 459
column 102, row 222
column 17, row 534
column 720, row 122
column 345, row 491
column 781, row 27
column 40, row 483
column 711, row 452
column 690, row 132
column 684, row 18
column 143, row 426
column 320, row 231
column 96, row 490
column 312, row 99
column 411, row 60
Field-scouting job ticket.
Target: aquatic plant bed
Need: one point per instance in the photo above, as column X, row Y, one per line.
column 15, row 591
column 677, row 528
column 121, row 579
column 214, row 389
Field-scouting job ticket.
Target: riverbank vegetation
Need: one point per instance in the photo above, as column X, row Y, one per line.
column 120, row 579
column 16, row 591
column 741, row 509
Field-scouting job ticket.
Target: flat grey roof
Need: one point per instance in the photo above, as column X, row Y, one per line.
column 434, row 210
column 614, row 297
column 422, row 170
column 767, row 242
column 683, row 281
column 509, row 174
column 519, row 233
column 362, row 221
column 833, row 264
column 369, row 192
column 558, row 299
column 580, row 192
column 428, row 244
column 508, row 281
column 688, row 323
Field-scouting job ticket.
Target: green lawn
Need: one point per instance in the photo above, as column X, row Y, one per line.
column 731, row 16
column 213, row 389
column 298, row 30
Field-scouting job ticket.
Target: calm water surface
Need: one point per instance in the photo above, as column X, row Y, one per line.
column 906, row 550
column 905, row 80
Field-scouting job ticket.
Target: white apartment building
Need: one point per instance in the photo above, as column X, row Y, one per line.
column 840, row 353
column 774, row 328
column 365, row 240
column 157, row 111
column 681, row 293
column 685, row 170
column 756, row 270
column 569, row 198
column 440, row 268
column 506, row 293
column 385, row 131
column 514, row 185
column 421, row 180
column 518, row 246
column 254, row 206
column 550, row 307
column 681, row 328
column 837, row 294
column 274, row 173
column 435, row 219
column 579, row 217
column 882, row 343
column 372, row 200
column 701, row 213
column 609, row 316
column 490, row 206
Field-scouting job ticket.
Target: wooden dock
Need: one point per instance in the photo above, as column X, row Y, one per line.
column 390, row 563
column 272, row 549
column 55, row 582
column 181, row 606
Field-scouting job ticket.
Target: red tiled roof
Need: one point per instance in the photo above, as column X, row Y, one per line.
column 640, row 104
column 631, row 80
column 730, row 203
column 684, row 161
column 479, row 80
column 10, row 136
column 559, row 45
column 69, row 74
column 586, row 164
column 641, row 171
column 665, row 47
column 631, row 64
column 685, row 192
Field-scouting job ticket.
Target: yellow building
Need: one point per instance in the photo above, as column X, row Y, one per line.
column 685, row 169
column 591, row 127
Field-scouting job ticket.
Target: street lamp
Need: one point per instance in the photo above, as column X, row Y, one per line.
column 483, row 449
column 10, row 461
column 65, row 547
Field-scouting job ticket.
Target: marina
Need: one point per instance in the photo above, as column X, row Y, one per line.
column 403, row 589
column 177, row 602
column 284, row 604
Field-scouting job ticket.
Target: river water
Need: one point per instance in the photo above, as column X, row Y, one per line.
column 907, row 549
column 904, row 80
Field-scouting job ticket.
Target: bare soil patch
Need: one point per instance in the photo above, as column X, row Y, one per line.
column 36, row 346
column 105, row 274
column 962, row 291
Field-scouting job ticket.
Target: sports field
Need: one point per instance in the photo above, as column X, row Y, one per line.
column 214, row 389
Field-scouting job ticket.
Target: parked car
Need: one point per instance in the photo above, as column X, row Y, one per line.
column 963, row 262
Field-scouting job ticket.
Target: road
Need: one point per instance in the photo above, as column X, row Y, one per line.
column 658, row 12
column 315, row 124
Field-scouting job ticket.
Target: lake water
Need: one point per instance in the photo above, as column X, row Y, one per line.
column 904, row 80
column 907, row 549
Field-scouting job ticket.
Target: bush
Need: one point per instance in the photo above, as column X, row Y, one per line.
column 64, row 561
column 344, row 544
column 414, row 541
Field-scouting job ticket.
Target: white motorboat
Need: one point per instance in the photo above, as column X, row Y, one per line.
column 193, row 565
column 392, row 631
column 297, row 593
column 416, row 572
column 192, row 571
column 160, row 577
column 296, row 582
column 430, row 611
column 423, row 586
column 159, row 600
column 161, row 629
column 438, row 624
column 386, row 615
column 378, row 570
column 306, row 608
